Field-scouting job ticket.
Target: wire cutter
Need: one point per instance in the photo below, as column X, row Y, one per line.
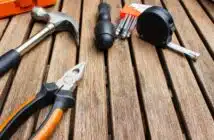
column 59, row 93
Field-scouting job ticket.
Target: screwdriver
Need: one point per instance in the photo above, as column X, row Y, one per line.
column 156, row 26
column 104, row 30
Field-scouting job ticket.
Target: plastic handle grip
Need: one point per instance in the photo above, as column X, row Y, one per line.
column 9, row 60
column 46, row 131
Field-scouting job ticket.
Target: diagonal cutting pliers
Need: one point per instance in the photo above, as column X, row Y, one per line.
column 59, row 93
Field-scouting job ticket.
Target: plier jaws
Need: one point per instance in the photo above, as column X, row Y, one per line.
column 70, row 79
column 58, row 93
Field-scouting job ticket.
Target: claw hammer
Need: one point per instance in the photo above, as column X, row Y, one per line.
column 56, row 22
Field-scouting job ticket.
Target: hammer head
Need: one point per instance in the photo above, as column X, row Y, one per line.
column 61, row 21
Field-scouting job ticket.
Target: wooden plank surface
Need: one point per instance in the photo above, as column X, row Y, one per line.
column 3, row 25
column 89, row 119
column 63, row 59
column 91, row 105
column 13, row 37
column 162, row 120
column 28, row 80
column 191, row 40
column 161, row 115
column 194, row 108
column 203, row 22
column 126, row 114
column 209, row 6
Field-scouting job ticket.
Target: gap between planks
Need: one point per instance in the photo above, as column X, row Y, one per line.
column 207, row 122
column 205, row 27
column 154, row 90
column 6, row 44
column 25, row 86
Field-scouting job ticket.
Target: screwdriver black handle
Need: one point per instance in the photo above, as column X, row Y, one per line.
column 9, row 60
column 104, row 30
column 104, row 12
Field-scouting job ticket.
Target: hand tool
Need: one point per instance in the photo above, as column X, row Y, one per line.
column 156, row 26
column 120, row 25
column 56, row 22
column 126, row 27
column 128, row 19
column 60, row 94
column 104, row 30
column 132, row 27
column 12, row 7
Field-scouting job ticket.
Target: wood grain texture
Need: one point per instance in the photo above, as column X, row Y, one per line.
column 91, row 105
column 162, row 120
column 13, row 36
column 191, row 40
column 161, row 115
column 203, row 22
column 3, row 25
column 126, row 114
column 197, row 117
column 28, row 81
column 63, row 59
column 209, row 6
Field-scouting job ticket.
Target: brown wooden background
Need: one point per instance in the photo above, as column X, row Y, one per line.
column 131, row 92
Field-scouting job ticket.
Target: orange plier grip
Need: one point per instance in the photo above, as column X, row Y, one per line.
column 45, row 97
column 63, row 101
column 49, row 94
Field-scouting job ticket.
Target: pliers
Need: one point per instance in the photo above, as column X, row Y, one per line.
column 59, row 93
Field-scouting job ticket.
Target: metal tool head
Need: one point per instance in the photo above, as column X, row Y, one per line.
column 61, row 21
column 71, row 78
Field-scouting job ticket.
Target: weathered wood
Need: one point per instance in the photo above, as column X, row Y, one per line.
column 13, row 36
column 91, row 105
column 203, row 22
column 162, row 120
column 28, row 80
column 194, row 109
column 209, row 6
column 161, row 115
column 191, row 40
column 126, row 114
column 63, row 59
column 3, row 25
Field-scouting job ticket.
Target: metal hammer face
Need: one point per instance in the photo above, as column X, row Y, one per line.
column 61, row 21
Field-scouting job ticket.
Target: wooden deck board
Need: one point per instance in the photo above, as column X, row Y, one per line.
column 28, row 80
column 191, row 40
column 209, row 6
column 193, row 106
column 162, row 120
column 91, row 103
column 169, row 96
column 202, row 21
column 127, row 124
column 13, row 36
column 3, row 25
column 63, row 59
